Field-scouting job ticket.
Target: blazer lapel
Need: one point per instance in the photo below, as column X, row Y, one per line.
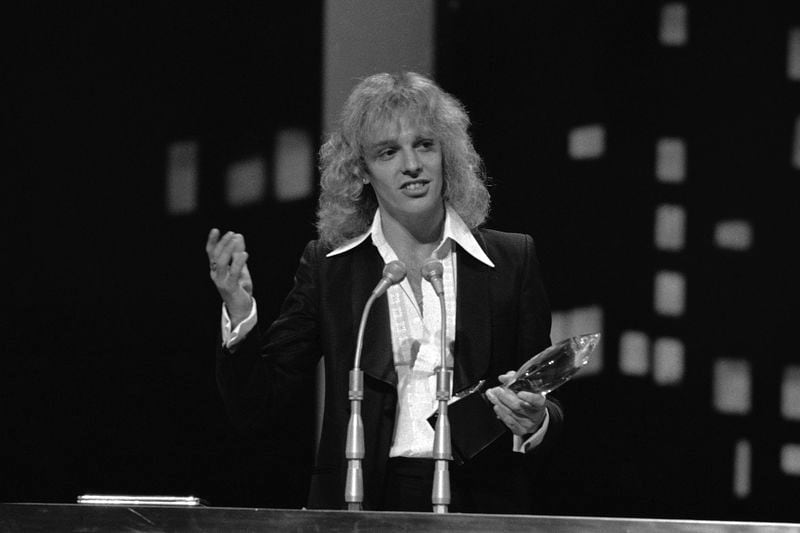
column 376, row 355
column 473, row 321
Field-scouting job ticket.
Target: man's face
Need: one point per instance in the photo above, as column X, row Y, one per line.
column 405, row 170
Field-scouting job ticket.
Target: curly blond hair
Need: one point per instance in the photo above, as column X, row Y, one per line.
column 346, row 206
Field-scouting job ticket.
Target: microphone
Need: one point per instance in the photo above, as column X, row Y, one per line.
column 433, row 271
column 393, row 272
column 442, row 453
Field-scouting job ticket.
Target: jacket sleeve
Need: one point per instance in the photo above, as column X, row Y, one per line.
column 267, row 378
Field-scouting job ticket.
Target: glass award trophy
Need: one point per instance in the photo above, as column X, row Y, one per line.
column 473, row 423
column 554, row 366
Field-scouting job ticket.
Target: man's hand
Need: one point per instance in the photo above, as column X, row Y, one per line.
column 523, row 412
column 227, row 261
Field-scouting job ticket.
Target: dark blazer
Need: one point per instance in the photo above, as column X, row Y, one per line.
column 503, row 318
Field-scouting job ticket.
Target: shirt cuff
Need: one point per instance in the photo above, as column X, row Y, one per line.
column 231, row 337
column 527, row 445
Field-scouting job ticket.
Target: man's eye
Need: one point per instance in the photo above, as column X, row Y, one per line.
column 427, row 145
column 386, row 154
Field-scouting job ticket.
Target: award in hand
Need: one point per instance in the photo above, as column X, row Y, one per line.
column 474, row 425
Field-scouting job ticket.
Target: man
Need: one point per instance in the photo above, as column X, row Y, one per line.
column 400, row 179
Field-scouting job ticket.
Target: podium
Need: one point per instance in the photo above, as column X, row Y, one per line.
column 33, row 517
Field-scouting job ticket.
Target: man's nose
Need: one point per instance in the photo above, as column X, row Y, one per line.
column 411, row 165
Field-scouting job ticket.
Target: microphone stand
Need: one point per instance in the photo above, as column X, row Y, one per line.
column 393, row 273
column 442, row 452
column 354, row 449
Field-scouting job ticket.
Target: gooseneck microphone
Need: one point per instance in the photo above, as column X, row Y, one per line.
column 393, row 272
column 433, row 271
column 442, row 453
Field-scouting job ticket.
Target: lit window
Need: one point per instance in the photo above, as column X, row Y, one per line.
column 793, row 55
column 294, row 165
column 560, row 327
column 741, row 469
column 668, row 361
column 670, row 227
column 734, row 235
column 674, row 25
column 634, row 355
column 245, row 182
column 579, row 321
column 671, row 160
column 670, row 293
column 790, row 393
column 732, row 389
column 790, row 459
column 587, row 142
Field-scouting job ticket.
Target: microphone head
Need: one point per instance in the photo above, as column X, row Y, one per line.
column 432, row 269
column 394, row 271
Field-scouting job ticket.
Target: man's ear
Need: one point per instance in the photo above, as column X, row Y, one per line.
column 362, row 175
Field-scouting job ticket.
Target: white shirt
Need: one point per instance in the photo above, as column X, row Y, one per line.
column 416, row 341
column 416, row 333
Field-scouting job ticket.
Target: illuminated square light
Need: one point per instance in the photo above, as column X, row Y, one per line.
column 671, row 160
column 674, row 24
column 670, row 227
column 793, row 55
column 670, row 293
column 734, row 235
column 579, row 321
column 559, row 328
column 589, row 320
column 732, row 390
column 668, row 361
column 796, row 144
column 182, row 177
column 790, row 459
column 790, row 393
column 245, row 182
column 587, row 142
column 634, row 353
column 742, row 466
column 294, row 165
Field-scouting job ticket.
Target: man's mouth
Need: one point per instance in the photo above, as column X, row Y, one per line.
column 416, row 185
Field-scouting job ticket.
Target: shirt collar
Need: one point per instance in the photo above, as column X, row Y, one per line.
column 455, row 230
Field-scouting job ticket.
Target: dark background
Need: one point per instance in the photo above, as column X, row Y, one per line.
column 108, row 350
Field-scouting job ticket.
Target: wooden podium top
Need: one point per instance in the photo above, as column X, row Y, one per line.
column 29, row 517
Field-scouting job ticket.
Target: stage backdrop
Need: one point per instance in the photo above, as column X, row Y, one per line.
column 648, row 147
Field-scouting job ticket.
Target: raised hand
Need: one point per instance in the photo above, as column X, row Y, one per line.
column 227, row 261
